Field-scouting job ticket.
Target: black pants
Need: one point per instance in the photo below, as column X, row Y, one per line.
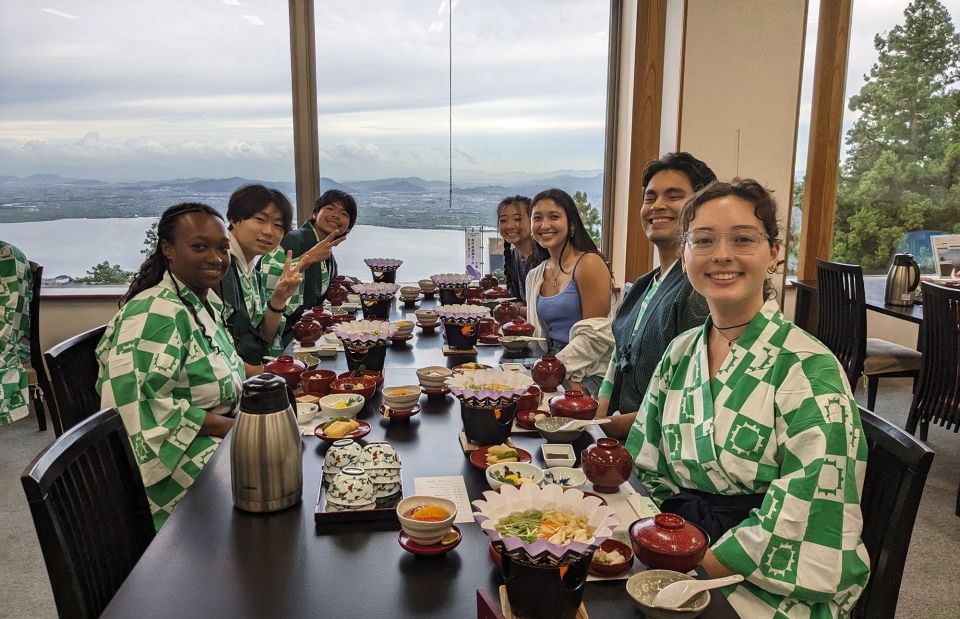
column 714, row 513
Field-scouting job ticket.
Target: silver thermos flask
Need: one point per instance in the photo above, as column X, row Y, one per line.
column 266, row 462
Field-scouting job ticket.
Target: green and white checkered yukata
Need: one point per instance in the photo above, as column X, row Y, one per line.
column 16, row 291
column 159, row 368
column 244, row 294
column 778, row 419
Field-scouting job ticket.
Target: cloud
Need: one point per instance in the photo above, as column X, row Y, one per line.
column 60, row 13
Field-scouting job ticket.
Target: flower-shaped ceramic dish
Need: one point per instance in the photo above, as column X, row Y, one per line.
column 451, row 280
column 383, row 264
column 461, row 314
column 489, row 388
column 352, row 488
column 375, row 291
column 509, row 500
column 364, row 333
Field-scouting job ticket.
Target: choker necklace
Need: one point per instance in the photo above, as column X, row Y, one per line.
column 730, row 340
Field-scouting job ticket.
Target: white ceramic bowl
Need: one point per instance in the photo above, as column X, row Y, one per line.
column 330, row 408
column 526, row 470
column 433, row 376
column 351, row 487
column 425, row 532
column 379, row 455
column 403, row 397
column 342, row 453
column 306, row 412
column 643, row 586
column 565, row 476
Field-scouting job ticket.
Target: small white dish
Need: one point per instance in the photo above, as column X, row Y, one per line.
column 525, row 470
column 565, row 476
column 306, row 412
column 557, row 454
column 332, row 406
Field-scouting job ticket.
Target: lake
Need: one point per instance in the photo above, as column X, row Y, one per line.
column 71, row 246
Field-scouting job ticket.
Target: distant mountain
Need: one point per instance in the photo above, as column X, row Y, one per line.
column 50, row 179
column 410, row 183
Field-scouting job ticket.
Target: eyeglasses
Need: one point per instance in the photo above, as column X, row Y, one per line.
column 705, row 242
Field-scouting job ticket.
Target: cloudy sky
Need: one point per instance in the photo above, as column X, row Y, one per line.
column 128, row 90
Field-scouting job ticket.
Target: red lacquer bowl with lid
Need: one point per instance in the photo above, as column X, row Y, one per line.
column 573, row 404
column 287, row 368
column 518, row 326
column 668, row 542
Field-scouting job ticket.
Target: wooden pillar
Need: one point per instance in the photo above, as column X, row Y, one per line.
column 306, row 141
column 645, row 126
column 826, row 128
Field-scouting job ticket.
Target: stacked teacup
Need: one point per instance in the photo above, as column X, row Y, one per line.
column 428, row 318
column 428, row 288
column 409, row 295
column 341, row 454
column 351, row 490
column 404, row 329
column 382, row 464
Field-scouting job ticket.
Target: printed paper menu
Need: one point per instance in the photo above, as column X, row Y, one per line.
column 450, row 487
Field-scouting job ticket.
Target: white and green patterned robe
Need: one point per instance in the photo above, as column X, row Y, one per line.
column 160, row 370
column 778, row 419
column 16, row 292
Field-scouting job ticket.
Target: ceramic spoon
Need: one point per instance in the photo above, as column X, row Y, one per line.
column 581, row 423
column 676, row 594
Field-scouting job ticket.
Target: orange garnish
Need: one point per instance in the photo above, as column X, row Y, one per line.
column 430, row 513
column 496, row 413
column 467, row 330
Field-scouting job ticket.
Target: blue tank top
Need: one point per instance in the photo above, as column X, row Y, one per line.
column 560, row 312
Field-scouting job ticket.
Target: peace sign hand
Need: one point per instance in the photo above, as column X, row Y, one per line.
column 289, row 282
column 322, row 250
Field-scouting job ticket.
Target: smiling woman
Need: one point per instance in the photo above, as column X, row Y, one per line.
column 167, row 362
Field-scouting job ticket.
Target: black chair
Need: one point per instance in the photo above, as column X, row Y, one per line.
column 41, row 393
column 937, row 396
column 73, row 373
column 90, row 511
column 842, row 327
column 897, row 467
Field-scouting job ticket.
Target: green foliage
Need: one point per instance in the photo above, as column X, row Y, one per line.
column 796, row 222
column 589, row 215
column 150, row 241
column 105, row 273
column 903, row 169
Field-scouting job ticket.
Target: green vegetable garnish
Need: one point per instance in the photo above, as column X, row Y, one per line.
column 508, row 454
column 335, row 419
column 526, row 525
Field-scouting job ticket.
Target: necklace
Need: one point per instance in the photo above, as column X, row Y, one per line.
column 730, row 340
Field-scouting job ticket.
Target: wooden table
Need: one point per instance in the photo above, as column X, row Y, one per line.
column 805, row 314
column 212, row 560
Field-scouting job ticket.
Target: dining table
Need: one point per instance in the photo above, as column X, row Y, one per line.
column 874, row 288
column 213, row 560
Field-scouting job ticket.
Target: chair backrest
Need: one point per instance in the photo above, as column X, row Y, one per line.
column 937, row 396
column 897, row 467
column 90, row 511
column 73, row 369
column 842, row 314
column 36, row 352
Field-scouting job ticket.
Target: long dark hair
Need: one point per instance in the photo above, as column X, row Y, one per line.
column 523, row 205
column 577, row 235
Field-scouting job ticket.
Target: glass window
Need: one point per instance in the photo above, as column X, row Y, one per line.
column 112, row 111
column 900, row 168
column 899, row 161
column 528, row 113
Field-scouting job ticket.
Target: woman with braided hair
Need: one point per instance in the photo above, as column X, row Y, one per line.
column 167, row 361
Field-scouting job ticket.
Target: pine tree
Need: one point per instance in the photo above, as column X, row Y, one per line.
column 903, row 165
